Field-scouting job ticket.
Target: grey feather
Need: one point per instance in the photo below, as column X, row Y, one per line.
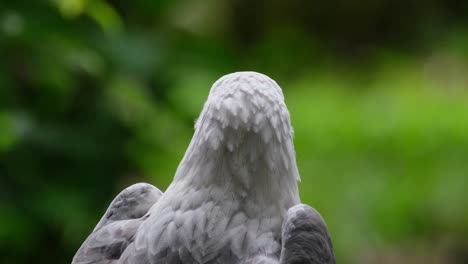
column 305, row 238
column 117, row 228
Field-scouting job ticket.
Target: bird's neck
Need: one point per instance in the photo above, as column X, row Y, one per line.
column 245, row 164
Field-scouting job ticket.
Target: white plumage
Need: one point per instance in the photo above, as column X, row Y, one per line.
column 233, row 188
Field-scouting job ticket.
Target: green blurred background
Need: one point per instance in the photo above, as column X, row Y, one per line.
column 96, row 95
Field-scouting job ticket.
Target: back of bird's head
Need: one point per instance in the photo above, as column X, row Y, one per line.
column 247, row 101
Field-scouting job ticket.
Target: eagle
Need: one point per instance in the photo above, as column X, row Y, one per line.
column 234, row 198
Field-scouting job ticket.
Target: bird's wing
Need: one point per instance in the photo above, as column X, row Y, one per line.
column 131, row 203
column 305, row 237
column 107, row 244
column 117, row 228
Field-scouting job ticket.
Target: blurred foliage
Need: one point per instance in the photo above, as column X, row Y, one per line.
column 96, row 95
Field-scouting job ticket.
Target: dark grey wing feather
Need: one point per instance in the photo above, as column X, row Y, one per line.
column 305, row 238
column 131, row 203
column 117, row 228
column 107, row 243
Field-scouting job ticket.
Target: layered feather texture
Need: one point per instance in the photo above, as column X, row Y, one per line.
column 234, row 185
